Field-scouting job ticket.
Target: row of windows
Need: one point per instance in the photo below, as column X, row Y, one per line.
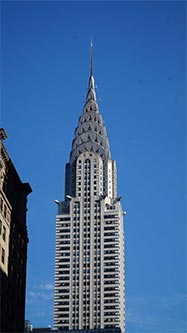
column 64, row 225
column 63, row 260
column 86, row 309
column 85, row 283
column 106, row 314
column 63, row 284
column 62, row 236
column 110, row 255
column 87, row 193
column 64, row 219
column 110, row 307
column 114, row 294
column 86, row 264
column 64, row 230
column 87, row 246
column 64, row 297
column 87, row 177
column 64, row 266
column 108, row 207
column 62, row 272
column 109, row 234
column 114, row 223
column 111, row 240
column 111, row 246
column 63, row 303
column 65, row 315
column 64, row 291
column 87, row 182
column 63, row 278
column 64, row 247
column 111, row 269
column 113, row 216
column 109, row 264
column 62, row 322
column 111, row 288
column 111, row 300
column 110, row 228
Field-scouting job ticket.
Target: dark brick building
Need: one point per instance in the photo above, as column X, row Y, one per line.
column 13, row 279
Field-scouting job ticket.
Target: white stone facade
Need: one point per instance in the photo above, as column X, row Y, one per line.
column 89, row 263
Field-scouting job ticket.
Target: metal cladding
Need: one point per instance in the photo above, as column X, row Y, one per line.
column 89, row 260
column 90, row 135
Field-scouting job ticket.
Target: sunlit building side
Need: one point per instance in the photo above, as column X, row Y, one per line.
column 89, row 262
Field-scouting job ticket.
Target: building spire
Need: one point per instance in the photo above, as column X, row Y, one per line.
column 91, row 61
column 91, row 88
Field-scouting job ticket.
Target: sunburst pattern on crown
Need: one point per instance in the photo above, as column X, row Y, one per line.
column 90, row 135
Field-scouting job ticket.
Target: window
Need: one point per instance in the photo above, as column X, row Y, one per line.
column 3, row 256
column 5, row 211
column 4, row 233
column 1, row 204
column 65, row 219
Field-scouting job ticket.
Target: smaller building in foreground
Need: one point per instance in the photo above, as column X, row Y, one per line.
column 13, row 243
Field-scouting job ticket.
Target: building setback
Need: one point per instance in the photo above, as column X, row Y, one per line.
column 48, row 329
column 89, row 260
column 13, row 243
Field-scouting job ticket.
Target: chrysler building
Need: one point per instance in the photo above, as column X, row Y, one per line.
column 89, row 256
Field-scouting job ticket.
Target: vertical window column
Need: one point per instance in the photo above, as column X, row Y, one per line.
column 86, row 245
column 76, row 231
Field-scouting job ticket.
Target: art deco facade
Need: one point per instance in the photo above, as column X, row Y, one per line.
column 89, row 263
column 13, row 243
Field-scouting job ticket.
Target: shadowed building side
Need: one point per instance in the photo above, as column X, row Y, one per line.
column 13, row 243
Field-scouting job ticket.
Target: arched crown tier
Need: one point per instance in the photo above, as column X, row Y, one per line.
column 90, row 135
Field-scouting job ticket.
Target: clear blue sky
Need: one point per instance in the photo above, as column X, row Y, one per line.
column 139, row 69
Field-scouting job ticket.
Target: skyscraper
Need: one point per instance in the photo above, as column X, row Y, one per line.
column 89, row 261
